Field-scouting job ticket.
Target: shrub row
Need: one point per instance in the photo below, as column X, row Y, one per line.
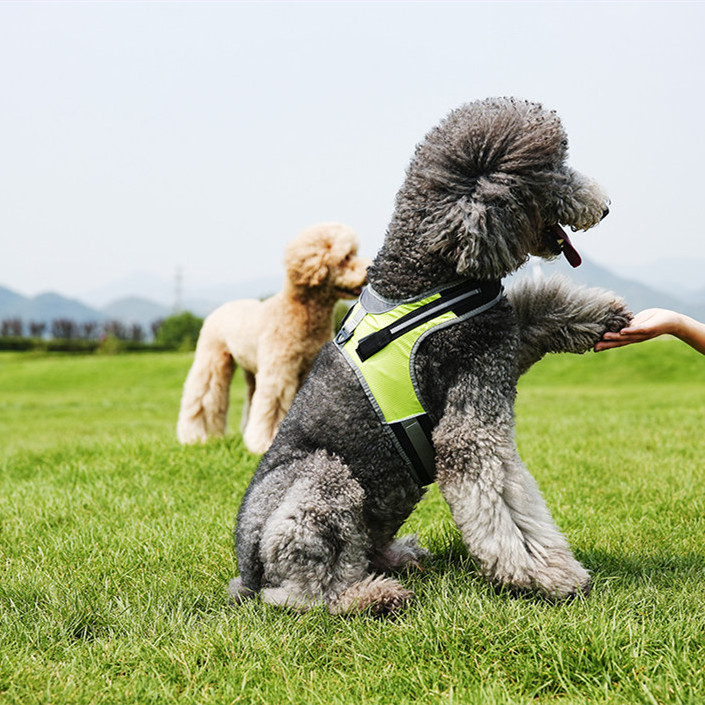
column 178, row 332
column 106, row 345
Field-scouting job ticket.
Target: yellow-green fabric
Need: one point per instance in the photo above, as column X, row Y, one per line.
column 388, row 372
column 379, row 337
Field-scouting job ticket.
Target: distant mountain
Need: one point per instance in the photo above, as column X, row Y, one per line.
column 44, row 308
column 127, row 307
column 9, row 300
column 204, row 299
column 136, row 285
column 698, row 297
column 637, row 295
column 201, row 300
column 135, row 310
column 683, row 277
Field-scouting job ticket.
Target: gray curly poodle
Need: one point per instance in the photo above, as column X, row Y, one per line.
column 486, row 188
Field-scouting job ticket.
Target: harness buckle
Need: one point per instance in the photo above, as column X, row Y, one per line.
column 351, row 320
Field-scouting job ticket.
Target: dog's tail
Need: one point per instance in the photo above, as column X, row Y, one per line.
column 206, row 395
column 556, row 315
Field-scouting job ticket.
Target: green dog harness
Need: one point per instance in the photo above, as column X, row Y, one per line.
column 379, row 339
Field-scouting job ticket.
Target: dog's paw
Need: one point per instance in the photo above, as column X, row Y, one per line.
column 375, row 595
column 190, row 433
column 562, row 577
column 617, row 316
column 400, row 553
column 558, row 576
column 256, row 441
column 605, row 312
column 237, row 592
column 555, row 574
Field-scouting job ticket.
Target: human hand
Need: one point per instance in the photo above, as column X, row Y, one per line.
column 647, row 324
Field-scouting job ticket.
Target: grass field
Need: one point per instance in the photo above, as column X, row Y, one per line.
column 115, row 549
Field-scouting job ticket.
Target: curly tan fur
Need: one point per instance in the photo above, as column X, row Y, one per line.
column 274, row 341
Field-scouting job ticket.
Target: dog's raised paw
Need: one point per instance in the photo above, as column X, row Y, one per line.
column 618, row 316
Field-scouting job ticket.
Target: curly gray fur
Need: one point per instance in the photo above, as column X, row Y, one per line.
column 479, row 192
column 556, row 316
column 318, row 521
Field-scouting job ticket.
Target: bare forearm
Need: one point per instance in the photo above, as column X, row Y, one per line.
column 690, row 331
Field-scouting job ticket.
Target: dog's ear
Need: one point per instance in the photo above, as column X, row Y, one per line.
column 483, row 235
column 483, row 179
column 306, row 261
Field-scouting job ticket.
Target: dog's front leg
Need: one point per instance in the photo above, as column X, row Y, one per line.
column 498, row 508
column 556, row 316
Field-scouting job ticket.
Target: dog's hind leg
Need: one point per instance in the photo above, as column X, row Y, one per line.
column 314, row 547
column 498, row 508
column 250, row 383
column 206, row 395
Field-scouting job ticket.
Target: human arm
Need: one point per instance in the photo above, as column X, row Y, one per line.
column 653, row 322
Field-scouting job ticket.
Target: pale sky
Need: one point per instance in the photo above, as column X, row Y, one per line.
column 148, row 136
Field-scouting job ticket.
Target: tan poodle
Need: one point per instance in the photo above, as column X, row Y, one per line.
column 274, row 341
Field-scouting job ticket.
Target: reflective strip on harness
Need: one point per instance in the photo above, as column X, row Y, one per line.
column 379, row 339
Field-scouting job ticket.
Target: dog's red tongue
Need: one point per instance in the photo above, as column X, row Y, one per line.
column 571, row 254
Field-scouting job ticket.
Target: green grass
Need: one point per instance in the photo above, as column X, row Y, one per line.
column 115, row 549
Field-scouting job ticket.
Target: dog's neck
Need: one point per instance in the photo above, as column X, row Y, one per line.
column 405, row 266
column 314, row 305
column 402, row 273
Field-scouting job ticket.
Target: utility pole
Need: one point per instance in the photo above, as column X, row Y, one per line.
column 178, row 290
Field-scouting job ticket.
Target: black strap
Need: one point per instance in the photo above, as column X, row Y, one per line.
column 414, row 437
column 461, row 299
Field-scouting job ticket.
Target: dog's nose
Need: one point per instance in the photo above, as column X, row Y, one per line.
column 605, row 212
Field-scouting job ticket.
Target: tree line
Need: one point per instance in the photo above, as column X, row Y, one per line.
column 179, row 331
column 68, row 329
